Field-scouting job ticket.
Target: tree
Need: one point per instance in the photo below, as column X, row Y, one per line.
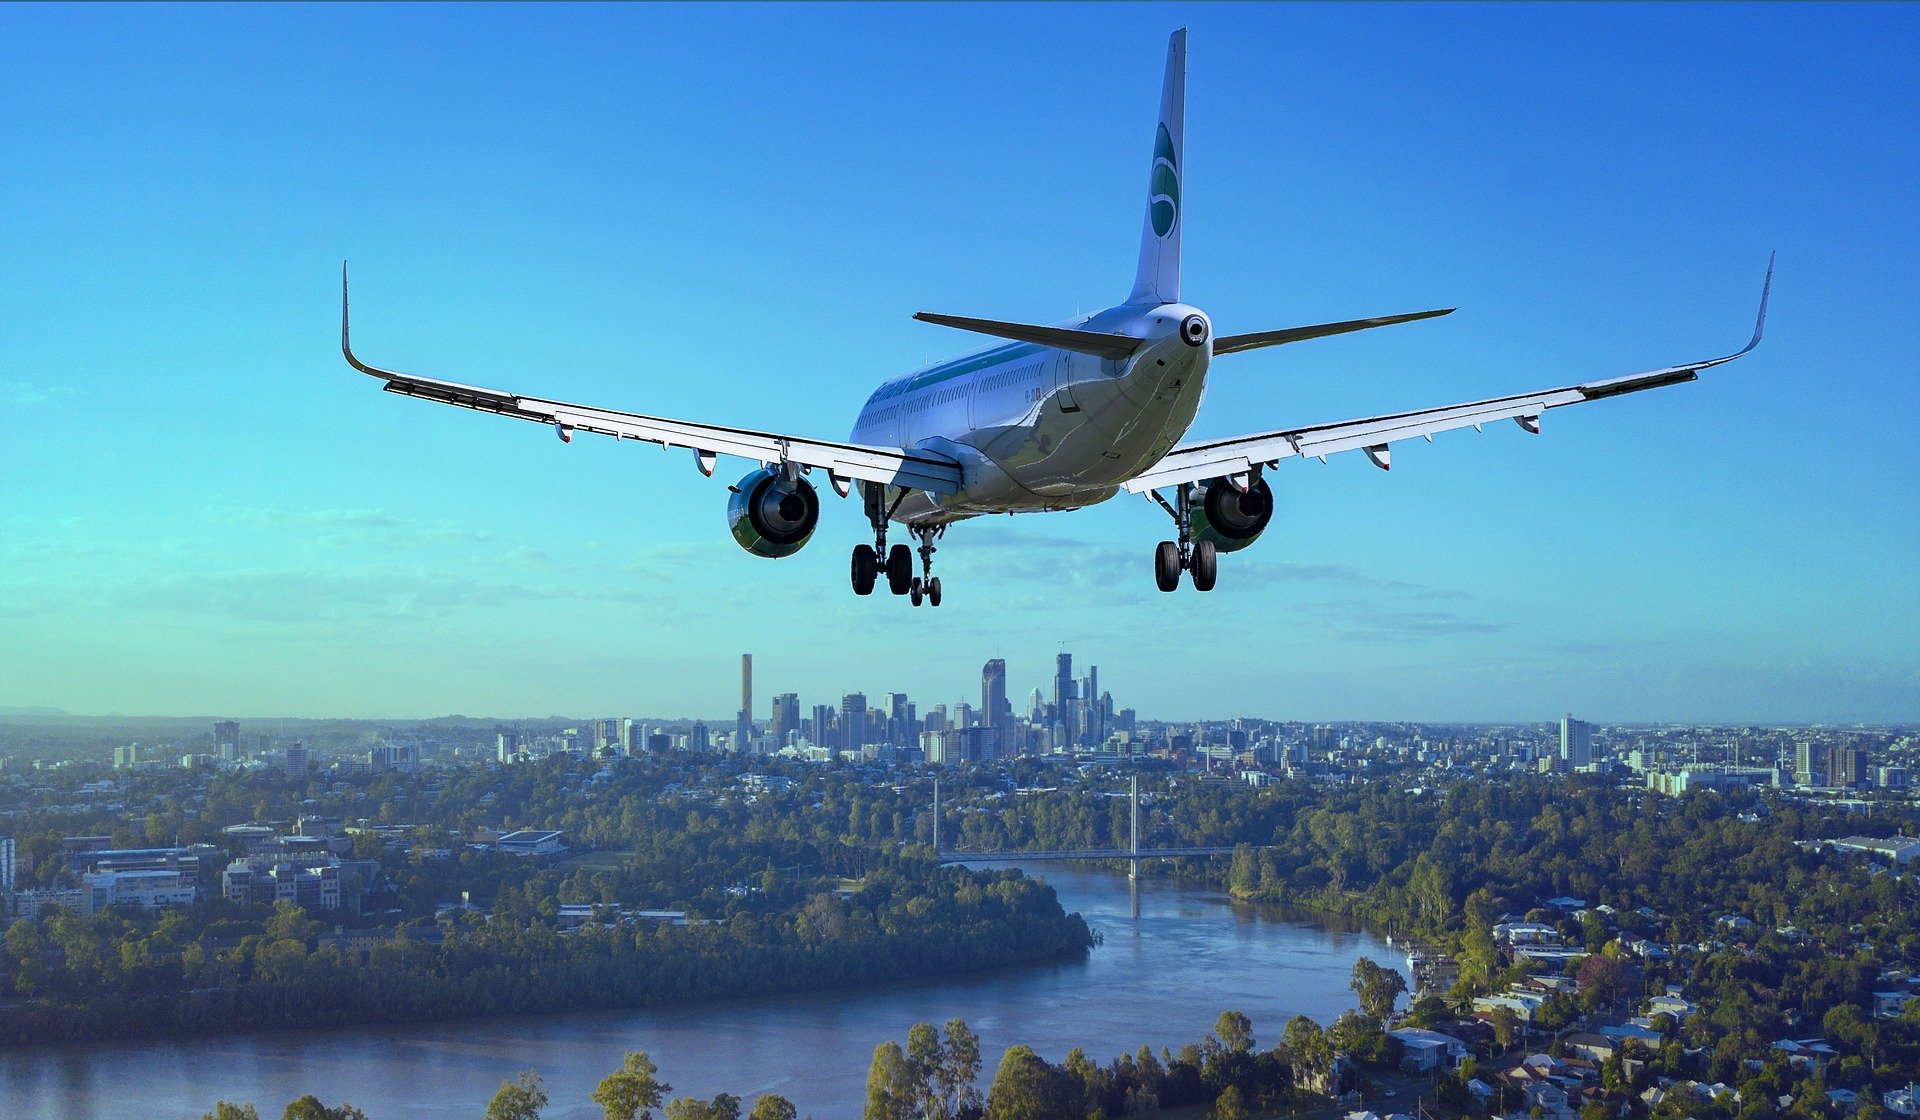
column 1230, row 1105
column 962, row 1068
column 1308, row 1054
column 634, row 1090
column 519, row 1099
column 1027, row 1088
column 224, row 1111
column 928, row 1059
column 773, row 1106
column 1235, row 1031
column 1506, row 1022
column 310, row 1108
column 1379, row 988
column 892, row 1087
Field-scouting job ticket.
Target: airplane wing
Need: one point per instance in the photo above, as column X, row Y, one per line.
column 1374, row 434
column 908, row 469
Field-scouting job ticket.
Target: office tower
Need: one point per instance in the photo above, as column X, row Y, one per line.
column 853, row 721
column 1576, row 743
column 963, row 715
column 630, row 742
column 7, row 851
column 785, row 720
column 226, row 740
column 1844, row 766
column 994, row 710
column 296, row 759
column 899, row 718
column 746, row 685
column 742, row 732
column 124, row 757
column 1809, row 765
column 936, row 719
column 1062, row 685
column 507, row 745
column 700, row 740
column 823, row 725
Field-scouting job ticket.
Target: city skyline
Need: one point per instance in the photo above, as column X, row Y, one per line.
column 206, row 512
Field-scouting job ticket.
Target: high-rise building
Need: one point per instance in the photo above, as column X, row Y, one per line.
column 746, row 685
column 1809, row 765
column 823, row 725
column 1576, row 743
column 994, row 709
column 963, row 715
column 1845, row 766
column 296, row 759
column 785, row 720
column 7, row 868
column 226, row 740
column 700, row 740
column 1062, row 686
column 853, row 721
column 126, row 756
column 506, row 743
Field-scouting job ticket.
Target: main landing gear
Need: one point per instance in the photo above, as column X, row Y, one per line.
column 1171, row 558
column 868, row 566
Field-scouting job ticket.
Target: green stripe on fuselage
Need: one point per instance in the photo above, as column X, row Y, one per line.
column 959, row 367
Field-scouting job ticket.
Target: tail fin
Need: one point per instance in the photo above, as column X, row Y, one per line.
column 1158, row 280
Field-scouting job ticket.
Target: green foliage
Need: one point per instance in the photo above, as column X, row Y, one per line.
column 224, row 1111
column 519, row 1099
column 632, row 1091
column 773, row 1106
column 310, row 1108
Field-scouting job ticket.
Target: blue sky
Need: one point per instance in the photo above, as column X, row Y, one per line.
column 730, row 212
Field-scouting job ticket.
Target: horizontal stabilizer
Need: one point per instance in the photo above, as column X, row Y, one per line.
column 1234, row 343
column 1097, row 343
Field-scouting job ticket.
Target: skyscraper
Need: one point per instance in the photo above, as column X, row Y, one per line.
column 6, row 865
column 853, row 721
column 1844, row 766
column 994, row 710
column 785, row 720
column 746, row 684
column 226, row 740
column 1576, row 743
column 1062, row 687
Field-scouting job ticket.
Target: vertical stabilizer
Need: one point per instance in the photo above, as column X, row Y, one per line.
column 1158, row 280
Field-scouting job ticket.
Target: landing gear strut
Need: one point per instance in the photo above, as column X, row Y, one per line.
column 926, row 584
column 1171, row 558
column 870, row 562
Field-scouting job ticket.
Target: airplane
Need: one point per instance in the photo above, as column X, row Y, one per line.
column 1055, row 417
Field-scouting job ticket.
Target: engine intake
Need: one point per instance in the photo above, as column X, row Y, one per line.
column 1228, row 517
column 771, row 515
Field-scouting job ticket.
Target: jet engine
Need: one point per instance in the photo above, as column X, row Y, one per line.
column 772, row 515
column 1228, row 517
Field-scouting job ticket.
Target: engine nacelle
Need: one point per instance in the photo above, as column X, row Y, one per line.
column 1229, row 518
column 771, row 515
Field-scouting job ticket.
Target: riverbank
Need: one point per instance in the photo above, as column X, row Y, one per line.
column 1161, row 980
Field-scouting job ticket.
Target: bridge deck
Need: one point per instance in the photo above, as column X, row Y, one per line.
column 1083, row 853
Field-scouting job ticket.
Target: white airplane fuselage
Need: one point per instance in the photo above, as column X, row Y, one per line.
column 1037, row 428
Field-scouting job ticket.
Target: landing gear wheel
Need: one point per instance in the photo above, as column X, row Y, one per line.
column 866, row 567
column 1166, row 566
column 933, row 592
column 899, row 569
column 913, row 591
column 1205, row 565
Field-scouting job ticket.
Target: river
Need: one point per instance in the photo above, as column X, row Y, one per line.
column 1161, row 979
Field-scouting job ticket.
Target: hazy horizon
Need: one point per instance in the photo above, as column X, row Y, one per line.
column 730, row 213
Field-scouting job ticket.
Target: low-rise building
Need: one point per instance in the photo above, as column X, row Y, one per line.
column 148, row 890
column 532, row 842
column 1425, row 1051
column 1895, row 849
column 313, row 884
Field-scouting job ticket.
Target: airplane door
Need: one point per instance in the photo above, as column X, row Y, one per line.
column 1063, row 378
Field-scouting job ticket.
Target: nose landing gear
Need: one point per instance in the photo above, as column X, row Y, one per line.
column 1171, row 558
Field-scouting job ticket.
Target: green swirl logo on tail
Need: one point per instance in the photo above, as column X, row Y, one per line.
column 1163, row 193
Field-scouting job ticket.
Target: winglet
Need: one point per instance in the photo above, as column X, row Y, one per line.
column 346, row 345
column 1760, row 321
